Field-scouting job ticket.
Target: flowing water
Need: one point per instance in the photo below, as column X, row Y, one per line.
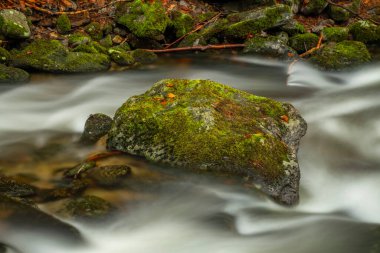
column 339, row 210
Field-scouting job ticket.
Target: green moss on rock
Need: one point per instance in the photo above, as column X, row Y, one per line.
column 121, row 56
column 345, row 54
column 14, row 25
column 303, row 42
column 293, row 27
column 106, row 41
column 204, row 125
column 313, row 7
column 4, row 55
column 193, row 39
column 63, row 24
column 271, row 46
column 336, row 34
column 181, row 22
column 338, row 14
column 252, row 22
column 94, row 29
column 144, row 56
column 365, row 31
column 147, row 20
column 12, row 75
column 52, row 56
column 77, row 39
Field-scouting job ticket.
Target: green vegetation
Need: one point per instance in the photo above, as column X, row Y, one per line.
column 365, row 31
column 63, row 24
column 303, row 42
column 336, row 34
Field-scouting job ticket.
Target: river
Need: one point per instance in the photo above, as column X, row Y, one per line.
column 339, row 209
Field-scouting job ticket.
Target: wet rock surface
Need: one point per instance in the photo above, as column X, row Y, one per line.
column 218, row 129
column 96, row 126
column 14, row 25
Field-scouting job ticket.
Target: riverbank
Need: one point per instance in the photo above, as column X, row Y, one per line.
column 128, row 34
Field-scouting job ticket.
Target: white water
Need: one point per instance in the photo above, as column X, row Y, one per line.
column 339, row 159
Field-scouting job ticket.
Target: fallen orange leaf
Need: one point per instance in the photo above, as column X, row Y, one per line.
column 169, row 85
column 285, row 118
column 171, row 95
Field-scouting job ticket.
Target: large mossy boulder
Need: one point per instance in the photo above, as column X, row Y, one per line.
column 365, row 31
column 256, row 20
column 146, row 20
column 303, row 42
column 207, row 126
column 14, row 25
column 12, row 75
column 52, row 56
column 342, row 55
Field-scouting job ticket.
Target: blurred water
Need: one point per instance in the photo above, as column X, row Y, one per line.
column 339, row 159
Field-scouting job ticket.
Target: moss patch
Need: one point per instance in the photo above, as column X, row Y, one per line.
column 365, row 31
column 345, row 54
column 14, row 25
column 12, row 75
column 182, row 23
column 4, row 55
column 336, row 34
column 147, row 20
column 303, row 42
column 63, row 24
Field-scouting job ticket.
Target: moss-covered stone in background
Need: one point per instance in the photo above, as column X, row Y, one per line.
column 77, row 39
column 181, row 22
column 63, row 24
column 214, row 29
column 146, row 20
column 252, row 22
column 120, row 56
column 217, row 129
column 341, row 55
column 94, row 29
column 336, row 34
column 12, row 75
column 338, row 14
column 272, row 46
column 303, row 42
column 313, row 7
column 52, row 56
column 365, row 31
column 194, row 39
column 4, row 56
column 293, row 27
column 144, row 56
column 106, row 41
column 14, row 24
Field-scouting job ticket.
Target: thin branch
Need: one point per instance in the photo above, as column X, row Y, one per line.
column 352, row 12
column 312, row 50
column 73, row 12
column 196, row 48
column 197, row 28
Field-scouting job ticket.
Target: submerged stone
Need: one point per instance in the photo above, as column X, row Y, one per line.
column 14, row 25
column 12, row 188
column 52, row 56
column 345, row 54
column 204, row 125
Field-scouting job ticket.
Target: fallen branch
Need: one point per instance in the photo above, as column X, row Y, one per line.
column 197, row 28
column 352, row 12
column 74, row 12
column 196, row 48
column 310, row 51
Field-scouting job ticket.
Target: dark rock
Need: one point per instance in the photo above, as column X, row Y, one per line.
column 96, row 126
column 293, row 27
column 338, row 14
column 18, row 216
column 107, row 176
column 313, row 7
column 207, row 126
column 365, row 31
column 144, row 56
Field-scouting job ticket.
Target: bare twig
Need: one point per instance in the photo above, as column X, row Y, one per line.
column 196, row 48
column 352, row 12
column 310, row 51
column 197, row 28
column 73, row 12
